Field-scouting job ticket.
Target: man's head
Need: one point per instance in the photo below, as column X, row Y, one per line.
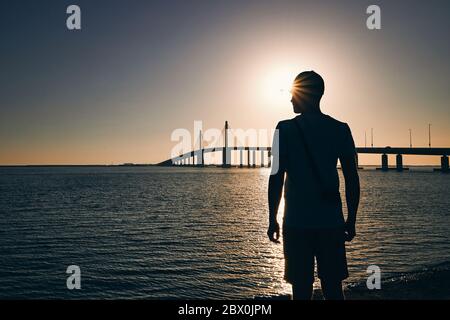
column 307, row 91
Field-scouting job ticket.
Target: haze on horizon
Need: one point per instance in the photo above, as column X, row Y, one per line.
column 114, row 91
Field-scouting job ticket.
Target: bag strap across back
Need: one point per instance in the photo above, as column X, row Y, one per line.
column 309, row 154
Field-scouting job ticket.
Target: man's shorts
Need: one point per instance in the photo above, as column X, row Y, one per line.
column 301, row 246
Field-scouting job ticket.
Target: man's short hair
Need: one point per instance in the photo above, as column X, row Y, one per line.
column 308, row 84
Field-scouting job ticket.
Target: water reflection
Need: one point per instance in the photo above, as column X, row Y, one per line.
column 192, row 233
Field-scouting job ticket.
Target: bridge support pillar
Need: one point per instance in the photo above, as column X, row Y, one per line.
column 384, row 162
column 269, row 159
column 254, row 159
column 200, row 158
column 262, row 158
column 399, row 161
column 248, row 158
column 241, row 162
column 226, row 157
column 444, row 164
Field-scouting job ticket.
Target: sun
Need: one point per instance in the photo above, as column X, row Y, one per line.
column 276, row 85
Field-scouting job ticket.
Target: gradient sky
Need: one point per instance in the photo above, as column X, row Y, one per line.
column 114, row 91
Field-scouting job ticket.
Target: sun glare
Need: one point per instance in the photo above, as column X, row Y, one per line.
column 277, row 84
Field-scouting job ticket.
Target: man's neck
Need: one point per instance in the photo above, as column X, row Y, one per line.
column 314, row 111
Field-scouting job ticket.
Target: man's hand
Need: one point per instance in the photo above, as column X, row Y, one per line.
column 350, row 230
column 274, row 232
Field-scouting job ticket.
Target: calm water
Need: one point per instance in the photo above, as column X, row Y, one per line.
column 144, row 232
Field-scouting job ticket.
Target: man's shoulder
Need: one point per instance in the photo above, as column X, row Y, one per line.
column 329, row 122
column 336, row 122
column 284, row 123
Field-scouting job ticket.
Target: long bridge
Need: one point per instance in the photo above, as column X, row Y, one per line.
column 197, row 157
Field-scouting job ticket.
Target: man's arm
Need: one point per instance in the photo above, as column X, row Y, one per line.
column 352, row 193
column 276, row 182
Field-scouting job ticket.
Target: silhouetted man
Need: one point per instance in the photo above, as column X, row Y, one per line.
column 306, row 149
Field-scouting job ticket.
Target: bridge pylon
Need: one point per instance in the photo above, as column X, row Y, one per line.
column 226, row 152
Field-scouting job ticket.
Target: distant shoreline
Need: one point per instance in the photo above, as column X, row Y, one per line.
column 73, row 165
column 156, row 165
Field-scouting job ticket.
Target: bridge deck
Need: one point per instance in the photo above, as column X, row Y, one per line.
column 365, row 150
column 401, row 150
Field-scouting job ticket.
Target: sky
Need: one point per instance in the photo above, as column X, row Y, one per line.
column 114, row 91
